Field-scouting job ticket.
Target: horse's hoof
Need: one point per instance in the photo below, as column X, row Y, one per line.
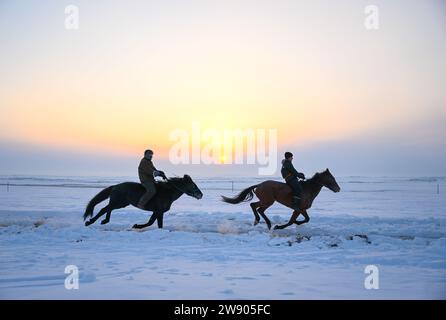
column 87, row 223
column 104, row 221
column 276, row 227
column 135, row 226
column 256, row 222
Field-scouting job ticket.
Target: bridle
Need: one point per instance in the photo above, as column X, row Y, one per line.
column 178, row 188
column 324, row 185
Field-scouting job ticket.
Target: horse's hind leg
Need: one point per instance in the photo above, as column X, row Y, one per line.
column 262, row 213
column 107, row 217
column 96, row 217
column 115, row 203
column 254, row 206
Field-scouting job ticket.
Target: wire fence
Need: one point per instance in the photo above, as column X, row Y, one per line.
column 230, row 185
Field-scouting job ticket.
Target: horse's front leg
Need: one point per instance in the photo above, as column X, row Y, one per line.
column 149, row 223
column 307, row 218
column 159, row 220
column 290, row 222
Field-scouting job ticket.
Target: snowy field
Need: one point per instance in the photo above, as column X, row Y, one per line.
column 211, row 250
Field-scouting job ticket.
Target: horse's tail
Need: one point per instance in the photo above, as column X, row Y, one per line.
column 245, row 195
column 101, row 196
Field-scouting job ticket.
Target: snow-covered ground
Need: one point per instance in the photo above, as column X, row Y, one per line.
column 211, row 250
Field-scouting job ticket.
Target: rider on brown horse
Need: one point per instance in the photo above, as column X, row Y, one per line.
column 291, row 176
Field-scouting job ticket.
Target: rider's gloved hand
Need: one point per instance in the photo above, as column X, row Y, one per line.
column 160, row 173
column 157, row 173
column 301, row 176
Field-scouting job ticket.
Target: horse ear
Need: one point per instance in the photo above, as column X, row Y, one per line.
column 326, row 170
column 186, row 176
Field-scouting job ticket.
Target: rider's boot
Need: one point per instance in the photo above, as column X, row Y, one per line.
column 141, row 204
column 144, row 200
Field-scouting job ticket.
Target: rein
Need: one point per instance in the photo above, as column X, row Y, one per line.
column 176, row 187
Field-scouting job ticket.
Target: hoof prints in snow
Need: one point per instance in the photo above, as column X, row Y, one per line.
column 331, row 241
column 362, row 236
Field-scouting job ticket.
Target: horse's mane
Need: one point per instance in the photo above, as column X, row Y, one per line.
column 313, row 178
column 315, row 175
column 173, row 179
column 170, row 182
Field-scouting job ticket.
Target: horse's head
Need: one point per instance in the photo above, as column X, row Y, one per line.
column 327, row 180
column 189, row 187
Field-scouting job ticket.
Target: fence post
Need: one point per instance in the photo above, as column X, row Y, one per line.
column 438, row 188
column 232, row 186
column 7, row 186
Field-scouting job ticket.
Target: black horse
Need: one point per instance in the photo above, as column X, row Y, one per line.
column 123, row 194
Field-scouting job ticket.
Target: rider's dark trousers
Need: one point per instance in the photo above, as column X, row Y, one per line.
column 150, row 192
column 295, row 185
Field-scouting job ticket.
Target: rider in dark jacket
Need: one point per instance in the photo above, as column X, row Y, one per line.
column 147, row 173
column 291, row 176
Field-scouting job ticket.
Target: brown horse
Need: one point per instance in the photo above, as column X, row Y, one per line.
column 270, row 191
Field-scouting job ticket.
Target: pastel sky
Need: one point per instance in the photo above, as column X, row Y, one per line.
column 89, row 101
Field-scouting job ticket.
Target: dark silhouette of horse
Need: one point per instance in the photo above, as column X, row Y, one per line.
column 270, row 191
column 123, row 194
